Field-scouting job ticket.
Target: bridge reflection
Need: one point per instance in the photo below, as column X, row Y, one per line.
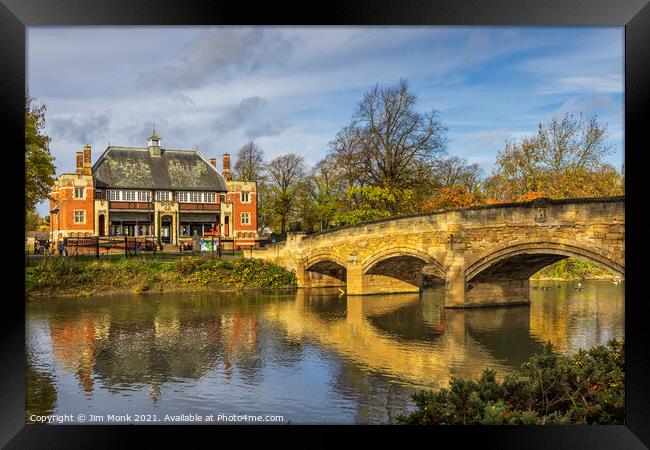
column 370, row 333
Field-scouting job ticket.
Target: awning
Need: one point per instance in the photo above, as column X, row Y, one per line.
column 129, row 217
column 198, row 217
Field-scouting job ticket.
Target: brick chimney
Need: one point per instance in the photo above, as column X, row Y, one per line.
column 226, row 167
column 213, row 162
column 87, row 166
column 80, row 159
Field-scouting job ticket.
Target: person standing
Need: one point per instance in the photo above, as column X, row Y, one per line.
column 60, row 248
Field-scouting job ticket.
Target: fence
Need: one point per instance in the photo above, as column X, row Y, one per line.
column 95, row 246
column 132, row 246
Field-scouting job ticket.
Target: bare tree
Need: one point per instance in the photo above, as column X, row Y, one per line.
column 346, row 154
column 286, row 173
column 573, row 143
column 389, row 143
column 456, row 171
column 250, row 163
column 396, row 136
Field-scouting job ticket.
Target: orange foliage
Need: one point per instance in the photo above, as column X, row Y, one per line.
column 531, row 196
column 493, row 201
column 451, row 197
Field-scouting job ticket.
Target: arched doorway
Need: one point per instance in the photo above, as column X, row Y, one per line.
column 102, row 223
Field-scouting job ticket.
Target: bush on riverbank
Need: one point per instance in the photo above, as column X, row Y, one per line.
column 66, row 276
column 572, row 269
column 241, row 272
column 586, row 388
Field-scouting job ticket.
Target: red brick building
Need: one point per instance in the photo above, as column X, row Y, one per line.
column 168, row 194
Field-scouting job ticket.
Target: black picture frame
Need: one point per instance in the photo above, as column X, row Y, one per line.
column 634, row 15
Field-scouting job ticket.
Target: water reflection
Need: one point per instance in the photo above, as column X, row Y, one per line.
column 312, row 355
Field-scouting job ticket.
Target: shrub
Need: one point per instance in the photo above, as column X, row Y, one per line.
column 586, row 388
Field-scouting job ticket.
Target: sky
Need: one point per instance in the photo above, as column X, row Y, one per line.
column 291, row 89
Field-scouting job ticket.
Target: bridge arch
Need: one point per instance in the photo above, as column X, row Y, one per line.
column 522, row 259
column 327, row 264
column 403, row 263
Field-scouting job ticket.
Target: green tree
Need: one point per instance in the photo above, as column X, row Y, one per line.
column 369, row 203
column 32, row 221
column 286, row 174
column 39, row 163
column 320, row 196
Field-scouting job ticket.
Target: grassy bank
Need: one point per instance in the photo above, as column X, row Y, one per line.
column 573, row 269
column 586, row 388
column 56, row 276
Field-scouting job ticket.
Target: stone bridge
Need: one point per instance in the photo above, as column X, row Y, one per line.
column 484, row 255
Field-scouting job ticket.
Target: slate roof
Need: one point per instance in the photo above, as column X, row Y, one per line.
column 135, row 168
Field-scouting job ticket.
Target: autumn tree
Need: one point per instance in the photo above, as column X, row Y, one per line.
column 454, row 196
column 39, row 163
column 564, row 159
column 286, row 174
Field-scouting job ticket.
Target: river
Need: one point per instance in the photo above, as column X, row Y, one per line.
column 310, row 356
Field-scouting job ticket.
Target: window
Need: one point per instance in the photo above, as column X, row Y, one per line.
column 80, row 217
column 114, row 195
column 245, row 218
column 128, row 196
column 244, row 197
column 78, row 192
column 182, row 196
column 223, row 198
column 195, row 196
column 210, row 197
column 163, row 196
column 144, row 196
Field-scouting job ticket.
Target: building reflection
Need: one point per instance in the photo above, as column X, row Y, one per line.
column 156, row 343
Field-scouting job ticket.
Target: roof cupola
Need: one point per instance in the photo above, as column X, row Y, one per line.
column 153, row 143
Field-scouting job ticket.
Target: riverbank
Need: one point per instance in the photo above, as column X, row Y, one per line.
column 59, row 277
column 572, row 269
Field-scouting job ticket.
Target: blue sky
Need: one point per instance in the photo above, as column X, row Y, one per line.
column 290, row 89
